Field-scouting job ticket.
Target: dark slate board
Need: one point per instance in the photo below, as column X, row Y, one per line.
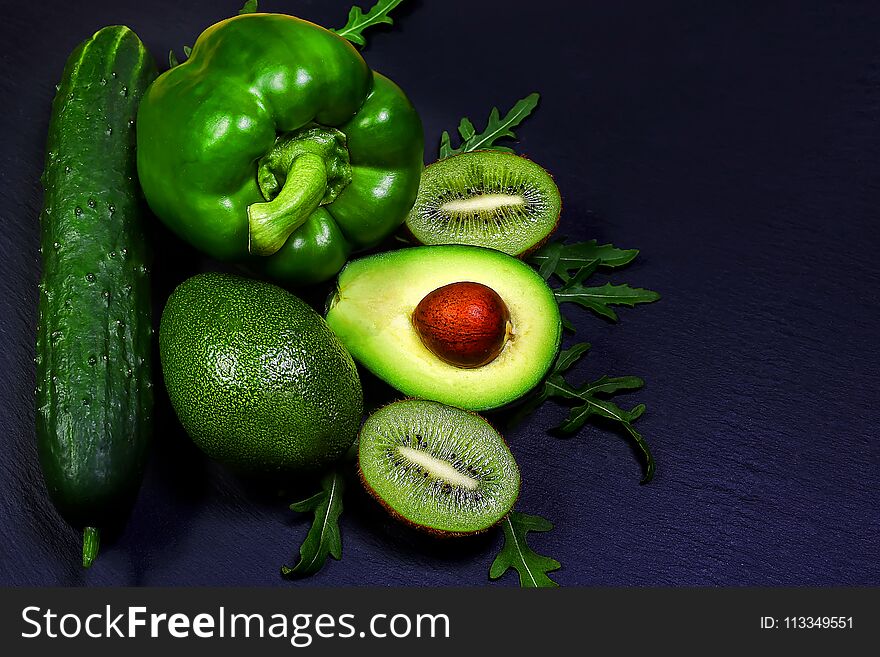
column 736, row 144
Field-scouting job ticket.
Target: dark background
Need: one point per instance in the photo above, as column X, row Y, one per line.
column 736, row 144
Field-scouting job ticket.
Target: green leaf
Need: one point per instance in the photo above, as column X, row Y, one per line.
column 561, row 259
column 445, row 145
column 583, row 273
column 324, row 537
column 527, row 406
column 466, row 129
column 610, row 385
column 599, row 299
column 250, row 7
column 586, row 404
column 588, row 400
column 172, row 58
column 358, row 21
column 573, row 264
column 591, row 405
column 569, row 357
column 563, row 362
column 548, row 263
column 496, row 128
column 641, row 443
column 516, row 553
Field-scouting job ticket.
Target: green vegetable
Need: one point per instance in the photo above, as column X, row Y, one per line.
column 358, row 21
column 496, row 128
column 598, row 299
column 249, row 7
column 274, row 145
column 589, row 400
column 565, row 259
column 584, row 258
column 324, row 538
column 516, row 553
column 256, row 377
column 94, row 397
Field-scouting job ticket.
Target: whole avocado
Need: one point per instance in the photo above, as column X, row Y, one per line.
column 256, row 377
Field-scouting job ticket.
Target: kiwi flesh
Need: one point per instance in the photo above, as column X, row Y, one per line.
column 492, row 199
column 438, row 468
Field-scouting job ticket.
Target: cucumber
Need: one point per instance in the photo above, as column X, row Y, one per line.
column 93, row 396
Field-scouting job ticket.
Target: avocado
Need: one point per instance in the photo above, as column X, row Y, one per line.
column 415, row 318
column 256, row 377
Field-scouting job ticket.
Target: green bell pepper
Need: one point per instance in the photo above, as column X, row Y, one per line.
column 274, row 145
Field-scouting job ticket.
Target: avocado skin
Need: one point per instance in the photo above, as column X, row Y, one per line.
column 255, row 375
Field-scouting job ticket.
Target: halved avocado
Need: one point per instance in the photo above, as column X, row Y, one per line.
column 372, row 313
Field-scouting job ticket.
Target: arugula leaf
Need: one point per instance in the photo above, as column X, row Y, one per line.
column 358, row 21
column 588, row 404
column 561, row 259
column 569, row 357
column 515, row 553
column 250, row 7
column 587, row 401
column 563, row 362
column 496, row 128
column 591, row 404
column 598, row 299
column 172, row 58
column 324, row 537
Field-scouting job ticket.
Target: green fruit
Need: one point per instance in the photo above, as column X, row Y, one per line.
column 485, row 198
column 94, row 398
column 377, row 312
column 438, row 468
column 256, row 377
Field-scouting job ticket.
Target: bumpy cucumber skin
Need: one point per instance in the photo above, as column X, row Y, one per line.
column 94, row 397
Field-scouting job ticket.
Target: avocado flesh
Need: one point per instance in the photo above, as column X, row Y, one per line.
column 372, row 309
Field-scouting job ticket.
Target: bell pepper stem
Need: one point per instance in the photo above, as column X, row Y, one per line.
column 271, row 223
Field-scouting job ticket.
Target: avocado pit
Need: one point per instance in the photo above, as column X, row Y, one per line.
column 465, row 324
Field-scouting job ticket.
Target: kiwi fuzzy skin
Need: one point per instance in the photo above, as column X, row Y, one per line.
column 433, row 531
column 407, row 234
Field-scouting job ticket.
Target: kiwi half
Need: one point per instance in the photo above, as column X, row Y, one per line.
column 438, row 468
column 485, row 198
